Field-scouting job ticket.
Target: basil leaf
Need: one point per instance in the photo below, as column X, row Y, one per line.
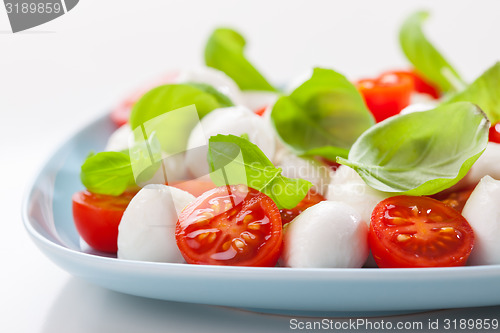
column 324, row 116
column 222, row 99
column 425, row 57
column 485, row 92
column 107, row 173
column 234, row 160
column 163, row 99
column 224, row 51
column 421, row 153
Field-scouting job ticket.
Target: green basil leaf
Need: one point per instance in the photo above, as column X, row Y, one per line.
column 324, row 116
column 425, row 57
column 172, row 97
column 222, row 99
column 421, row 153
column 224, row 51
column 234, row 160
column 107, row 173
column 485, row 92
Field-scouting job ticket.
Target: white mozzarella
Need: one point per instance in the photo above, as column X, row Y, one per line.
column 296, row 167
column 147, row 229
column 348, row 187
column 219, row 80
column 236, row 120
column 488, row 164
column 482, row 211
column 119, row 139
column 326, row 235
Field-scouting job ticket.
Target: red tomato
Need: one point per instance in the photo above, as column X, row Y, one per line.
column 121, row 113
column 230, row 225
column 495, row 133
column 408, row 231
column 312, row 198
column 386, row 95
column 260, row 112
column 195, row 187
column 97, row 217
column 455, row 200
column 420, row 84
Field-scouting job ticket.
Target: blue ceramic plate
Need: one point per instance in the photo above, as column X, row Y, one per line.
column 48, row 219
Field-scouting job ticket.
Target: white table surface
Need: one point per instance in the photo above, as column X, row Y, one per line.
column 57, row 77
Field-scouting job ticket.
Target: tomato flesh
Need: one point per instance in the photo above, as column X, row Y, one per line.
column 230, row 225
column 312, row 198
column 495, row 133
column 455, row 200
column 408, row 231
column 386, row 95
column 420, row 84
column 97, row 217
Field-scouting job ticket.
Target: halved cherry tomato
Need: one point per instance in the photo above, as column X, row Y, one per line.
column 408, row 231
column 386, row 95
column 455, row 200
column 194, row 186
column 97, row 217
column 312, row 198
column 495, row 133
column 230, row 225
column 419, row 83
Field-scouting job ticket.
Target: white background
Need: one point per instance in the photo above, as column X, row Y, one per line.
column 57, row 77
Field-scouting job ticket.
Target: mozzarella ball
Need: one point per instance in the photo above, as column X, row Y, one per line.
column 348, row 187
column 147, row 228
column 482, row 211
column 255, row 100
column 488, row 164
column 326, row 235
column 235, row 120
column 119, row 139
column 296, row 167
column 217, row 79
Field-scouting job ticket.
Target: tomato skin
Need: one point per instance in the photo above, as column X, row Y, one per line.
column 386, row 95
column 97, row 217
column 261, row 111
column 495, row 133
column 312, row 198
column 213, row 231
column 419, row 83
column 195, row 187
column 408, row 231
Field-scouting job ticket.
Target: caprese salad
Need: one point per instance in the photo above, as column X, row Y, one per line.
column 217, row 166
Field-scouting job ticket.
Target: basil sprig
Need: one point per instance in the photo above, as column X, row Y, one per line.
column 421, row 153
column 323, row 117
column 485, row 92
column 224, row 51
column 426, row 59
column 107, row 172
column 235, row 160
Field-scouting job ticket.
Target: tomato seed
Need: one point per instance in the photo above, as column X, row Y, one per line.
column 403, row 237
